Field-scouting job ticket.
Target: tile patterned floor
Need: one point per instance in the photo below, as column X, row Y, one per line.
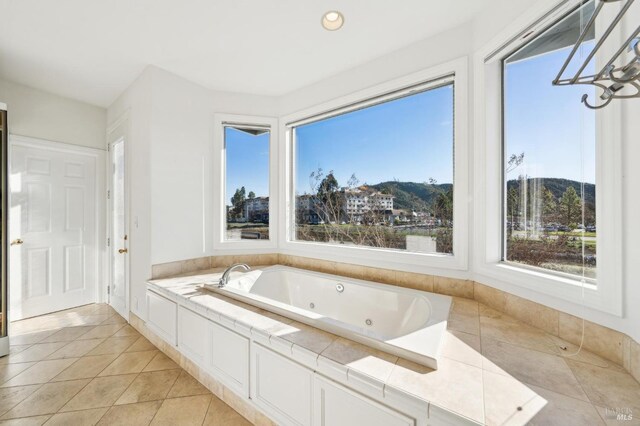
column 581, row 388
column 87, row 366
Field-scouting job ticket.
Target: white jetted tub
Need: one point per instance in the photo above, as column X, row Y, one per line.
column 407, row 323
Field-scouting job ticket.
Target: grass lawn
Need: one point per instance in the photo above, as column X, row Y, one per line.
column 574, row 234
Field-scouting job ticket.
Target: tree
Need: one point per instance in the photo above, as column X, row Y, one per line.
column 549, row 205
column 251, row 195
column 513, row 201
column 237, row 202
column 570, row 206
column 514, row 162
column 443, row 208
column 329, row 197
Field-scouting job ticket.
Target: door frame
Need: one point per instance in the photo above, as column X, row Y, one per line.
column 116, row 132
column 99, row 187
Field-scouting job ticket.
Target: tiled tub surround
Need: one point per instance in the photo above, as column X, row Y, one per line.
column 495, row 369
column 605, row 342
column 400, row 321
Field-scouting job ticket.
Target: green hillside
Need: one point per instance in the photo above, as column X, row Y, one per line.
column 412, row 195
column 420, row 196
column 559, row 186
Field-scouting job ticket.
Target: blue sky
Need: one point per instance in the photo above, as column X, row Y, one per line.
column 548, row 123
column 247, row 162
column 411, row 139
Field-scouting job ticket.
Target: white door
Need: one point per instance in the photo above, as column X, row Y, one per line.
column 118, row 235
column 54, row 251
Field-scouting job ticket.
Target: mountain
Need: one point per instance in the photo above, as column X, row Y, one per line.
column 559, row 186
column 412, row 195
column 420, row 196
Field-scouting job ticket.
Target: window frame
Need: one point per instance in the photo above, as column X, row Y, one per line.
column 606, row 296
column 432, row 263
column 220, row 244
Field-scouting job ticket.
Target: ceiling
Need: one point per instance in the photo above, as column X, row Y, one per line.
column 91, row 50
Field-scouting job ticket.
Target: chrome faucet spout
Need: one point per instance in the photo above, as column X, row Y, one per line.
column 225, row 275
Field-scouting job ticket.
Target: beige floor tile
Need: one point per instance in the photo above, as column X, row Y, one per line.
column 127, row 330
column 26, row 421
column 608, row 387
column 100, row 392
column 68, row 334
column 464, row 306
column 90, row 320
column 37, row 352
column 450, row 384
column 30, row 338
column 113, row 345
column 42, row 372
column 161, row 362
column 532, row 367
column 189, row 410
column 187, row 385
column 77, row 418
column 362, row 358
column 114, row 319
column 463, row 347
column 101, row 331
column 508, row 401
column 86, row 367
column 14, row 349
column 466, row 323
column 583, row 355
column 509, row 330
column 129, row 362
column 306, row 337
column 142, row 344
column 75, row 349
column 9, row 371
column 139, row 414
column 561, row 409
column 616, row 416
column 10, row 397
column 220, row 414
column 149, row 387
column 48, row 399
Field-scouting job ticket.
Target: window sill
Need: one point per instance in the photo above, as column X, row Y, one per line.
column 425, row 263
column 506, row 276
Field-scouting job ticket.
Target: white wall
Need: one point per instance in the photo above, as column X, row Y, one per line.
column 182, row 159
column 135, row 105
column 169, row 153
column 43, row 115
column 441, row 48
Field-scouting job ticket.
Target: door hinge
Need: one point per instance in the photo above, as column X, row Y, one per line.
column 108, row 290
column 108, row 195
column 108, row 242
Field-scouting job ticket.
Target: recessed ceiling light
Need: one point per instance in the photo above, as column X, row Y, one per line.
column 332, row 20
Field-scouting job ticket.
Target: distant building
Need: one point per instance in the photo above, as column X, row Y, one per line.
column 360, row 201
column 256, row 209
column 355, row 204
column 307, row 210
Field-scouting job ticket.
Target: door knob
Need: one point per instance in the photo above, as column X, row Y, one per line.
column 17, row 241
column 123, row 251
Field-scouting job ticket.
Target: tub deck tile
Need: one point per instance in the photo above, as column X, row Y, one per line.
column 486, row 386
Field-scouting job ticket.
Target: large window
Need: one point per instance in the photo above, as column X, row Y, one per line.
column 549, row 156
column 247, row 150
column 378, row 173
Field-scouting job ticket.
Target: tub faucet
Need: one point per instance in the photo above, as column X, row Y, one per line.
column 225, row 275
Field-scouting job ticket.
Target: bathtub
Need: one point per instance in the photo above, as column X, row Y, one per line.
column 404, row 322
